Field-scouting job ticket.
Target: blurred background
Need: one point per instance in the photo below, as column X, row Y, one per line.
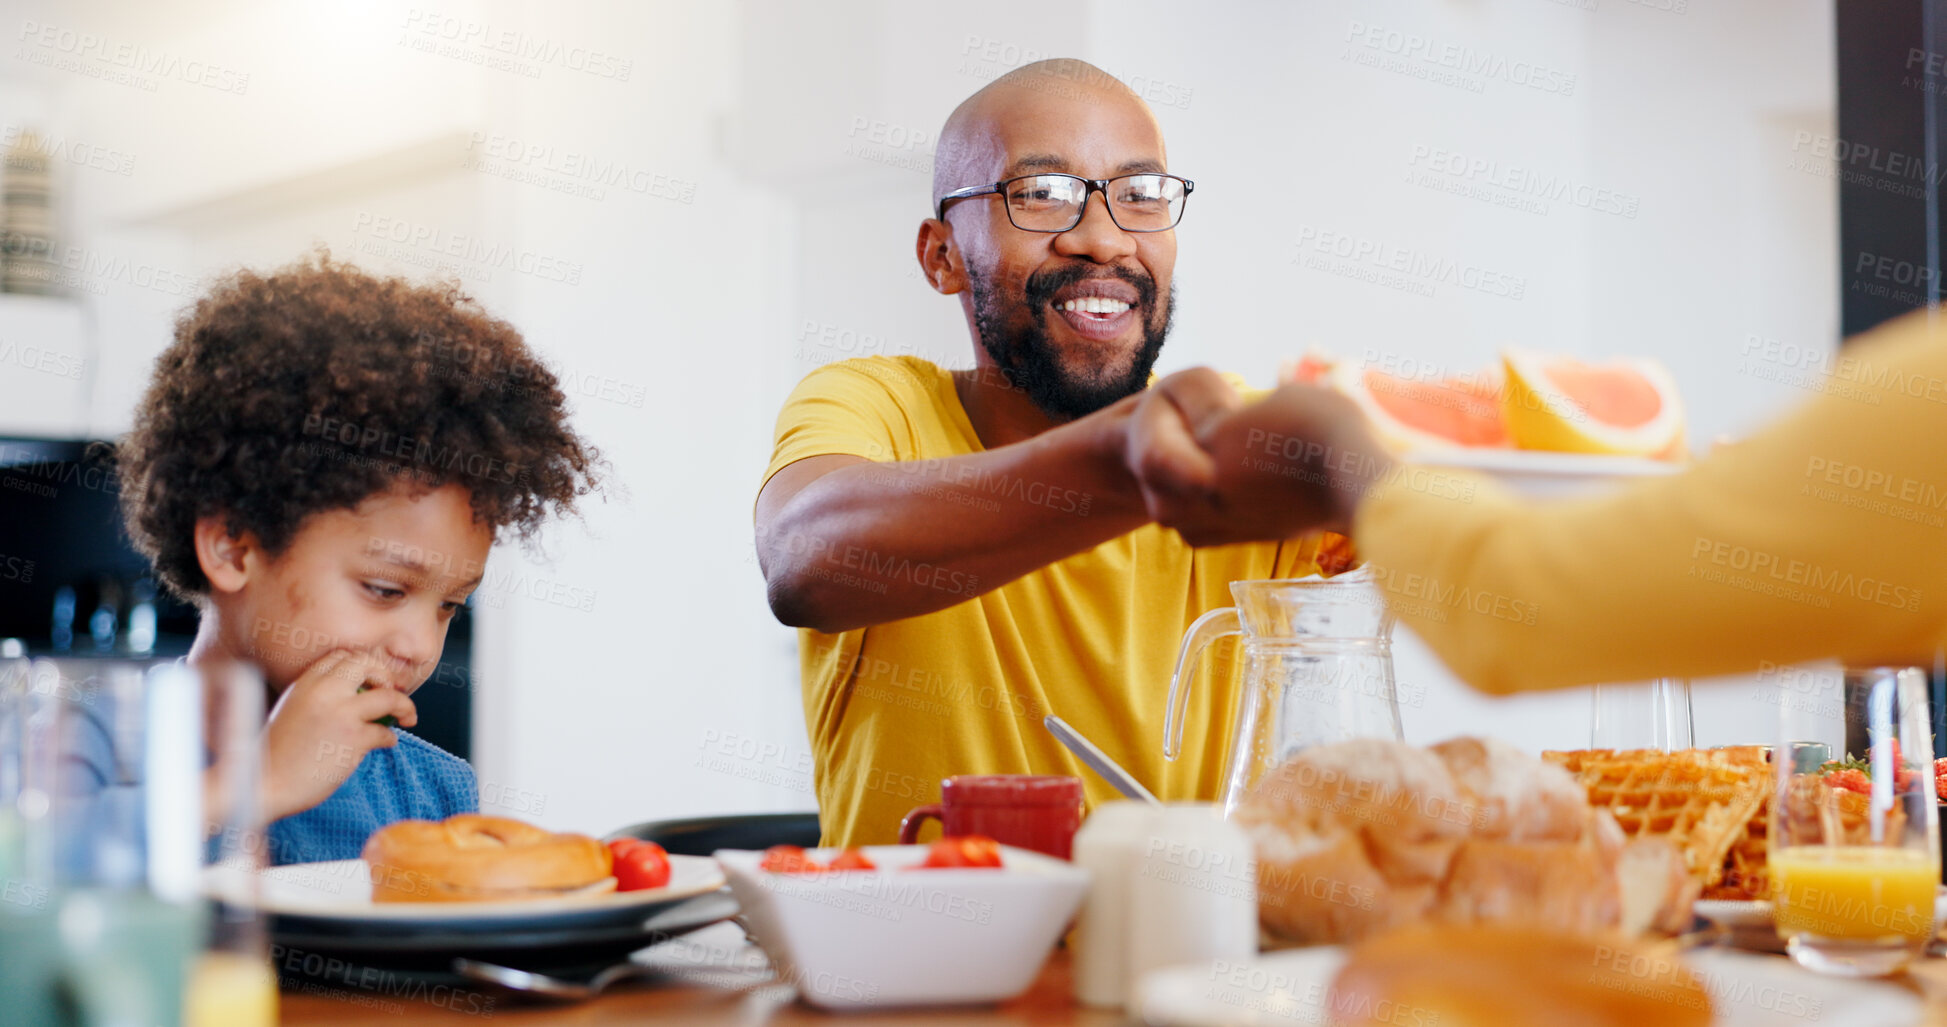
column 687, row 206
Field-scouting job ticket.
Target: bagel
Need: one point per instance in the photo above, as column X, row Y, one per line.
column 475, row 858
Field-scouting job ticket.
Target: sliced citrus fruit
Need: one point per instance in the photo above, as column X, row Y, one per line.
column 1626, row 407
column 1420, row 413
column 1311, row 369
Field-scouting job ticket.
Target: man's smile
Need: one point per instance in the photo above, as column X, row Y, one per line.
column 1098, row 309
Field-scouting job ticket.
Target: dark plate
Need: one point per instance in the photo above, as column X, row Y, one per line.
column 701, row 836
column 516, row 943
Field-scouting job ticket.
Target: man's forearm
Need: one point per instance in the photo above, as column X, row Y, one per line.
column 873, row 542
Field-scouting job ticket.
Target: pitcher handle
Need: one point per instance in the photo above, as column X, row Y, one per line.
column 1208, row 628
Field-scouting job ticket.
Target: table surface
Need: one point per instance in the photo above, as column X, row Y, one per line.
column 714, row 977
column 711, row 977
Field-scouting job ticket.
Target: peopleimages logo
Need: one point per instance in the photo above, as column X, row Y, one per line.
column 1522, row 182
column 1458, row 58
column 1792, row 575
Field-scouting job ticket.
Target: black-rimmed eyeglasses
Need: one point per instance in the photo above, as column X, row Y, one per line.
column 1055, row 203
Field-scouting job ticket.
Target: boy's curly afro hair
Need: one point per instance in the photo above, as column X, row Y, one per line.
column 316, row 386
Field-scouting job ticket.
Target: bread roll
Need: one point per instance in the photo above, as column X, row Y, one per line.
column 1566, row 885
column 1351, row 838
column 1657, row 889
column 1500, row 975
column 472, row 858
column 1518, row 797
column 1356, row 837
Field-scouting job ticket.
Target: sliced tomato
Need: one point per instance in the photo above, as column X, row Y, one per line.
column 971, row 850
column 852, row 859
column 789, row 859
column 638, row 864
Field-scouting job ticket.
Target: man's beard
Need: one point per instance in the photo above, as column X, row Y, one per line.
column 1030, row 359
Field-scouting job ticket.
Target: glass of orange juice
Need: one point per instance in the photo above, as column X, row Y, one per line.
column 1855, row 847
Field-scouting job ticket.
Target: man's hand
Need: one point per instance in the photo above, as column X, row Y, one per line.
column 322, row 727
column 1299, row 460
column 1177, row 478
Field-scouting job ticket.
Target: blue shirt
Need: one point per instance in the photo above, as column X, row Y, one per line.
column 414, row 780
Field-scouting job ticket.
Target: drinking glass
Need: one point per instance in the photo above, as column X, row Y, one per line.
column 233, row 981
column 29, row 948
column 1855, row 846
column 132, row 775
column 1644, row 715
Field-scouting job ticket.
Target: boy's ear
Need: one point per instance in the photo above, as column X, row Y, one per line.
column 221, row 556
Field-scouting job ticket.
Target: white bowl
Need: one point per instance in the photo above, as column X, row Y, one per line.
column 900, row 936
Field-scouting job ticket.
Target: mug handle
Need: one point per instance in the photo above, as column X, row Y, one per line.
column 909, row 827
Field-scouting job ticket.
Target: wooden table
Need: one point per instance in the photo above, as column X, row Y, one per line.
column 714, row 979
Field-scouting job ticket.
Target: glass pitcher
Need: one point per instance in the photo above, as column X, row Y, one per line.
column 1318, row 667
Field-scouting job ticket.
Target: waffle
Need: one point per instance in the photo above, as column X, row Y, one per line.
column 1818, row 810
column 1701, row 802
column 1747, row 867
column 1573, row 760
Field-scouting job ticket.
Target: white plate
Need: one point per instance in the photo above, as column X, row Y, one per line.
column 1756, row 913
column 1294, row 986
column 342, row 890
column 1737, row 915
column 1544, row 475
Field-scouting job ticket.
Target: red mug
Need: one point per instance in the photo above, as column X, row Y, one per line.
column 1030, row 811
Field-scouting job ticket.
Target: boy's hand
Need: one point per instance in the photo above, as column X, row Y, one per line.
column 322, row 727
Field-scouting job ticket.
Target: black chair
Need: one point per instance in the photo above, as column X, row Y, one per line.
column 701, row 836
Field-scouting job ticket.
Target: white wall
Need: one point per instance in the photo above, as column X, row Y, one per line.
column 803, row 134
column 1687, row 120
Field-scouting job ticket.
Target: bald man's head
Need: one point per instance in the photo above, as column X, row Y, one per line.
column 1075, row 318
column 968, row 148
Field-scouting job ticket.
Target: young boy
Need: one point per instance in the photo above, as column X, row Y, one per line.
column 321, row 464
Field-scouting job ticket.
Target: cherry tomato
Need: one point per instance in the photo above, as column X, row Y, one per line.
column 789, row 859
column 851, row 859
column 639, row 864
column 971, row 850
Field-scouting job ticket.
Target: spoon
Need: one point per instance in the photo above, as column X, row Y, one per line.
column 1097, row 760
column 530, row 983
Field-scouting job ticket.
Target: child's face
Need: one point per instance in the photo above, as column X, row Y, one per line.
column 385, row 578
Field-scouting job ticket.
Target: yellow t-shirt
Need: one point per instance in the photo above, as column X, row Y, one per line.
column 893, row 708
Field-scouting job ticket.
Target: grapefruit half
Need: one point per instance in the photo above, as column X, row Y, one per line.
column 1422, row 413
column 1626, row 407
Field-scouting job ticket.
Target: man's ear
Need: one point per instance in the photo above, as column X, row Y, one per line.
column 223, row 558
column 939, row 257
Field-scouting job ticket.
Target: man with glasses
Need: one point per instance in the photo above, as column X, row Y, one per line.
column 967, row 552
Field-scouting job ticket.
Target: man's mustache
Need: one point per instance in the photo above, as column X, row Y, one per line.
column 1043, row 285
